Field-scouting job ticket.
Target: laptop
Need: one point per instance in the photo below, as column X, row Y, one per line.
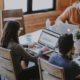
column 47, row 38
column 63, row 28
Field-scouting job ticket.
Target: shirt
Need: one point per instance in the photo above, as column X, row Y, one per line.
column 71, row 14
column 71, row 69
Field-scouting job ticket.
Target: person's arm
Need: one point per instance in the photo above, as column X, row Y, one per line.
column 78, row 77
column 43, row 53
column 30, row 45
column 64, row 16
column 24, row 53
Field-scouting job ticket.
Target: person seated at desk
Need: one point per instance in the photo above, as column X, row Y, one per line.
column 64, row 58
column 10, row 41
column 10, row 37
column 71, row 14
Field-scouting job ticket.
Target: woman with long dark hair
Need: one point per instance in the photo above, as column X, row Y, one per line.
column 10, row 41
column 21, row 56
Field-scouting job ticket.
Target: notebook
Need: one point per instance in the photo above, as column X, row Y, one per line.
column 63, row 28
column 47, row 38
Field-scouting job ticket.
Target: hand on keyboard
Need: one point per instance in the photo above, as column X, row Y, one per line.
column 45, row 48
column 32, row 45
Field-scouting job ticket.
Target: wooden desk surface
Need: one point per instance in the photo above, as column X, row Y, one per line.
column 34, row 37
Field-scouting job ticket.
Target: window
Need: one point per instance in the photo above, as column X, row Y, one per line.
column 16, row 4
column 40, row 5
column 30, row 6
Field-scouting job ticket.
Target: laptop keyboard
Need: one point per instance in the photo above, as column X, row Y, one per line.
column 38, row 46
column 36, row 51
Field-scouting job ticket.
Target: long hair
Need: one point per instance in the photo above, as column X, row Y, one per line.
column 10, row 32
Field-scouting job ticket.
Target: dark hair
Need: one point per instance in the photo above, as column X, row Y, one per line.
column 65, row 43
column 10, row 33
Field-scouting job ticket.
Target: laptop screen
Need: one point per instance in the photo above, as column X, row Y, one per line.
column 48, row 38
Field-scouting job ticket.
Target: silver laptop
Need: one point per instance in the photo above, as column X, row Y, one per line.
column 47, row 38
column 63, row 28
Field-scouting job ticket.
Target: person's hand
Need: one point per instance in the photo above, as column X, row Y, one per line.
column 32, row 45
column 23, row 64
column 78, row 77
column 45, row 48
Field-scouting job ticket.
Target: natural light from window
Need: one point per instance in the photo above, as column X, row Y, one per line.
column 42, row 4
column 15, row 4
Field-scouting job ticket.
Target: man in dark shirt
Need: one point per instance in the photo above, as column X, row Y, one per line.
column 64, row 58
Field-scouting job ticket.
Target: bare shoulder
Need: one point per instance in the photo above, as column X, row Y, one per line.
column 70, row 8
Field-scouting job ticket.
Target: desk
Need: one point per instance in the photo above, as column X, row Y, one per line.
column 34, row 37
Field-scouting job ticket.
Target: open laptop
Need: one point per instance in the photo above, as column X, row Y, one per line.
column 63, row 28
column 47, row 38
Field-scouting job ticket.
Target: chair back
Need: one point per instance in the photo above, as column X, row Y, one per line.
column 6, row 64
column 49, row 71
column 15, row 15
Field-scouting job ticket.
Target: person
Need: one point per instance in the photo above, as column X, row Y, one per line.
column 71, row 14
column 10, row 37
column 64, row 57
column 22, row 57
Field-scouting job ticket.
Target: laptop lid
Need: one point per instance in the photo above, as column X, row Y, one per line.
column 63, row 28
column 48, row 38
column 67, row 28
